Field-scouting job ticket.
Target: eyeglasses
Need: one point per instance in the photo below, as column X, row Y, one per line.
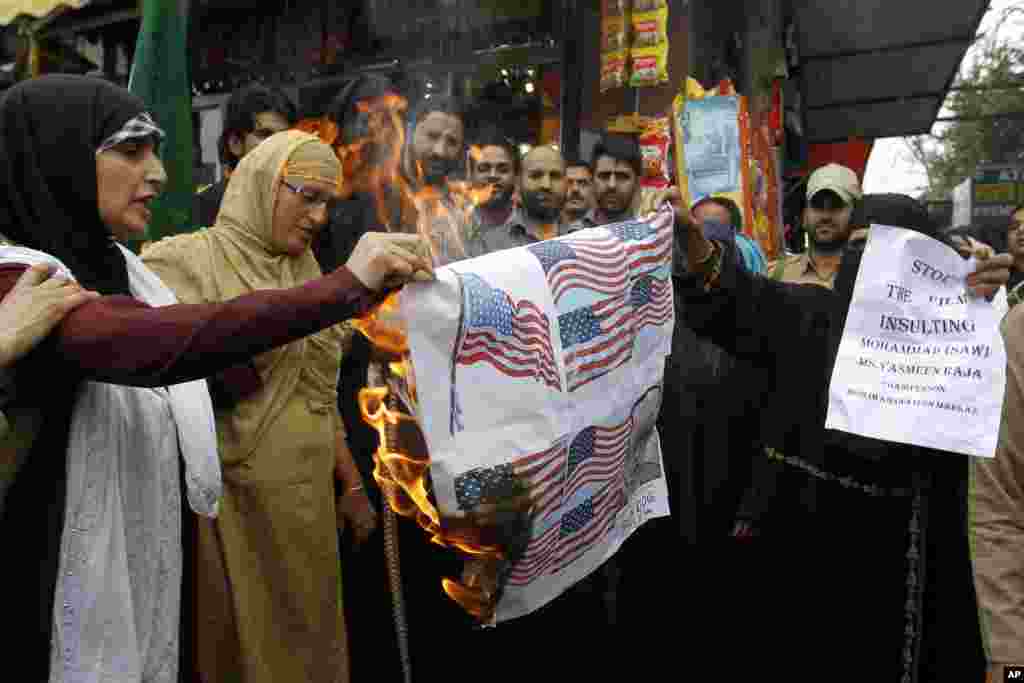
column 263, row 133
column 311, row 197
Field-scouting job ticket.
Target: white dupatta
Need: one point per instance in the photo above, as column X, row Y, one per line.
column 118, row 595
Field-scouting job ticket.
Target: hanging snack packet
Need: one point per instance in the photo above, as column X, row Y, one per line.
column 613, row 33
column 650, row 66
column 649, row 45
column 614, row 43
column 648, row 5
column 649, row 28
column 613, row 70
column 655, row 143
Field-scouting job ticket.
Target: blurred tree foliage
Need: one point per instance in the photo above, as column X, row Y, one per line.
column 988, row 97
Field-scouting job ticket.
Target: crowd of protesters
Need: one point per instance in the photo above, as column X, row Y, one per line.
column 791, row 550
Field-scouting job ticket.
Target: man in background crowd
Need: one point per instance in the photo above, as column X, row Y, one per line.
column 434, row 152
column 722, row 211
column 579, row 192
column 542, row 191
column 493, row 168
column 254, row 113
column 1015, row 247
column 616, row 168
column 832, row 192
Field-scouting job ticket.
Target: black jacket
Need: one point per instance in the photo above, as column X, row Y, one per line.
column 206, row 204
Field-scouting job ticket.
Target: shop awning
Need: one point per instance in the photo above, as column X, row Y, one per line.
column 879, row 68
column 12, row 9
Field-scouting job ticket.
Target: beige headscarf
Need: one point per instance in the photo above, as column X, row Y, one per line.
column 242, row 232
column 236, row 256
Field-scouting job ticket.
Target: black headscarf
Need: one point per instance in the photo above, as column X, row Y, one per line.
column 897, row 210
column 50, row 129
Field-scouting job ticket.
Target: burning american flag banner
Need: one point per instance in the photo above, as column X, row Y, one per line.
column 538, row 374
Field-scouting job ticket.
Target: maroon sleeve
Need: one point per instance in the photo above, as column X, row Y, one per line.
column 234, row 384
column 121, row 340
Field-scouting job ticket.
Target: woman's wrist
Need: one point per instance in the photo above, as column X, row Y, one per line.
column 7, row 346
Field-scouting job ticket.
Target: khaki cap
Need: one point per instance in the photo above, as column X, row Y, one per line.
column 839, row 179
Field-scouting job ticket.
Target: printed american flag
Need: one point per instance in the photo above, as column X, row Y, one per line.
column 595, row 460
column 541, row 474
column 575, row 533
column 589, row 522
column 596, row 263
column 512, row 337
column 651, row 299
column 596, row 340
column 596, row 456
column 648, row 243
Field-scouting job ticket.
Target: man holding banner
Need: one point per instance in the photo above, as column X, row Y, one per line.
column 875, row 576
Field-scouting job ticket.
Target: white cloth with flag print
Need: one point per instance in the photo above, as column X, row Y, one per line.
column 540, row 373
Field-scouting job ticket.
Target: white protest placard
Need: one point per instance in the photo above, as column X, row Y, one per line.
column 921, row 362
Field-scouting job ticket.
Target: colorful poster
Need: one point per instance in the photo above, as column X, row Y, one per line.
column 713, row 150
column 712, row 142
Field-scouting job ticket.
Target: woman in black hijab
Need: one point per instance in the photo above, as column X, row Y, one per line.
column 51, row 129
column 871, row 579
column 56, row 133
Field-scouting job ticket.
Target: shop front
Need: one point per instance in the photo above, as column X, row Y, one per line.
column 504, row 59
column 820, row 81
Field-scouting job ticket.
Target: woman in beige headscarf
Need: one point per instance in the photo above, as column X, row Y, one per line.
column 267, row 581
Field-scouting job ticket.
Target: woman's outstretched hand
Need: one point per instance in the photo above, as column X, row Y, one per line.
column 384, row 260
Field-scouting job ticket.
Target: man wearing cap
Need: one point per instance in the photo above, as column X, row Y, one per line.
column 832, row 192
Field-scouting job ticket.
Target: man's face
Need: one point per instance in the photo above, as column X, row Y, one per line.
column 265, row 124
column 827, row 220
column 579, row 190
column 1014, row 239
column 376, row 123
column 492, row 167
column 436, row 146
column 709, row 211
column 543, row 184
column 615, row 184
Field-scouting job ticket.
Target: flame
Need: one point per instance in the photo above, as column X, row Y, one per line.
column 372, row 164
column 379, row 327
column 440, row 214
column 402, row 470
column 402, row 462
column 469, row 196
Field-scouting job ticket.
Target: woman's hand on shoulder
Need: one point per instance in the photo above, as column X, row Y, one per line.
column 30, row 310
